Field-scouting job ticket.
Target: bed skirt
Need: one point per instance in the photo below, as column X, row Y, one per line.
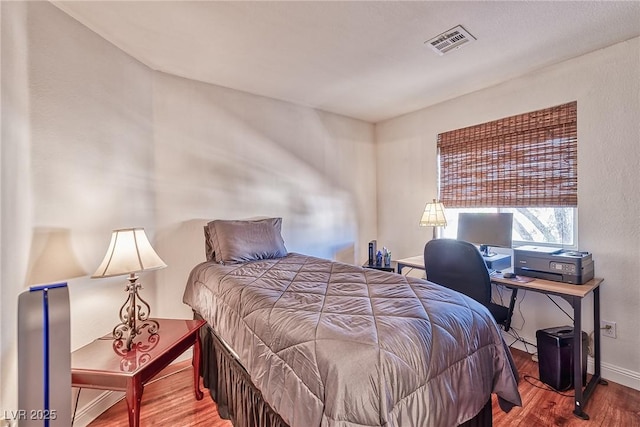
column 241, row 402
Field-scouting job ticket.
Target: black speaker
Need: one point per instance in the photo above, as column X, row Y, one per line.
column 372, row 252
column 555, row 356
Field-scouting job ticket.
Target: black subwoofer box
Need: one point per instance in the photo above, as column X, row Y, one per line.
column 555, row 356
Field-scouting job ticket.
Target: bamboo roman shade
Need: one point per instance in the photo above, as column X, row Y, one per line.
column 528, row 160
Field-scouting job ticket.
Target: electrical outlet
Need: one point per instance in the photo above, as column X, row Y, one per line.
column 608, row 329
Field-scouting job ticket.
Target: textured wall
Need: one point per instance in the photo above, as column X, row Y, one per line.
column 605, row 83
column 14, row 178
column 77, row 143
column 224, row 154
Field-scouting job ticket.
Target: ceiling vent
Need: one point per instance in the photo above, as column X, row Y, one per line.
column 450, row 40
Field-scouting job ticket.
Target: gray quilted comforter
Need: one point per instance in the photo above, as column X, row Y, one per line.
column 331, row 344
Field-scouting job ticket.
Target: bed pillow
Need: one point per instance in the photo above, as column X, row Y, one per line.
column 208, row 245
column 234, row 241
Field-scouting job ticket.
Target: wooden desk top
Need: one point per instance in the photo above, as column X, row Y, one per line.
column 551, row 287
column 537, row 285
column 414, row 262
column 418, row 261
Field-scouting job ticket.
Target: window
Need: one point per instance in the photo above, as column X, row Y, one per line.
column 540, row 226
column 525, row 164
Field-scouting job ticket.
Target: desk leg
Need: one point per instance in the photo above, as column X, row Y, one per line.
column 596, row 337
column 597, row 361
column 400, row 266
column 196, row 366
column 582, row 395
column 577, row 358
column 512, row 304
column 596, row 332
column 134, row 396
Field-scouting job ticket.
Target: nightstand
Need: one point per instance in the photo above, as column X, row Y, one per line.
column 379, row 267
column 107, row 365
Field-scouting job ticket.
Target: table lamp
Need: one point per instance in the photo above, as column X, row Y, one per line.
column 433, row 216
column 129, row 253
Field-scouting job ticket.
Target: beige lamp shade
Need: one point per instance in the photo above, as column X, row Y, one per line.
column 433, row 215
column 129, row 252
column 52, row 258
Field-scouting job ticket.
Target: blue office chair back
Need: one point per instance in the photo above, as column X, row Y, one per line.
column 458, row 265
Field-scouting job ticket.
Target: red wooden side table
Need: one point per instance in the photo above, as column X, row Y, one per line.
column 107, row 365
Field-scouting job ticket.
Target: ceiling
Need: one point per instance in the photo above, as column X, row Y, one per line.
column 361, row 59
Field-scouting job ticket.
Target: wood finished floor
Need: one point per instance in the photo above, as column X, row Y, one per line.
column 170, row 402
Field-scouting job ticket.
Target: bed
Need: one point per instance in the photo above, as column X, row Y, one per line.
column 295, row 340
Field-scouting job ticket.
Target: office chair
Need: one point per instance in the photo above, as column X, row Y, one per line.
column 459, row 265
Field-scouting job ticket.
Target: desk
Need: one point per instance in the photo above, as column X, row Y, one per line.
column 496, row 262
column 107, row 365
column 573, row 294
column 413, row 262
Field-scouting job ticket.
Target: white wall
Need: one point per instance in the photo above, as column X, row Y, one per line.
column 606, row 85
column 14, row 224
column 77, row 155
column 93, row 140
column 225, row 154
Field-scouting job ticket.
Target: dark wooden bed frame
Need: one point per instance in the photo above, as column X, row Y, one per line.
column 241, row 402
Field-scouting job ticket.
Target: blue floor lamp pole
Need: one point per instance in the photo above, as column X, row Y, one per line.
column 46, row 346
column 43, row 319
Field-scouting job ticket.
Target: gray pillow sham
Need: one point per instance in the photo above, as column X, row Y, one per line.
column 233, row 241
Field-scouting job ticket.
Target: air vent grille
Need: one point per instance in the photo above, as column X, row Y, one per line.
column 450, row 40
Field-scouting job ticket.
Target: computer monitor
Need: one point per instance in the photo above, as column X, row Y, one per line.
column 486, row 230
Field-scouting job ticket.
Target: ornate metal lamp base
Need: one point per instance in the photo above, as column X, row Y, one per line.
column 131, row 313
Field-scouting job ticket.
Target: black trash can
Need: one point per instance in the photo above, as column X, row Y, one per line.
column 555, row 356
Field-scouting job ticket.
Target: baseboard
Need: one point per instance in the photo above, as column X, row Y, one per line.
column 105, row 400
column 97, row 406
column 609, row 372
column 618, row 375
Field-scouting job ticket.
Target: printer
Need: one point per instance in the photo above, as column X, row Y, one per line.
column 555, row 264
